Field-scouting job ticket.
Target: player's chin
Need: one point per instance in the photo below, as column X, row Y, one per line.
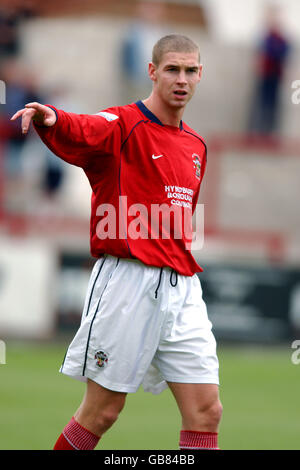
column 180, row 101
column 174, row 103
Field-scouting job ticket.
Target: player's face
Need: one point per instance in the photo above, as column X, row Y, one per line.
column 176, row 77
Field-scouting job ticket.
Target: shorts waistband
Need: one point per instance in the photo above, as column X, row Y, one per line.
column 173, row 274
column 137, row 261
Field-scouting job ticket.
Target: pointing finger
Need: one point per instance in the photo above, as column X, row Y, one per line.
column 26, row 119
column 17, row 114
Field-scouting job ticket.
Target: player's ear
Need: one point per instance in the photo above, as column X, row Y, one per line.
column 200, row 72
column 152, row 71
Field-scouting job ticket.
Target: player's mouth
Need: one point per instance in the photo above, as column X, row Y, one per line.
column 180, row 93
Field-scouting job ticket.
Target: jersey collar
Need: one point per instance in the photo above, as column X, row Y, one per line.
column 150, row 115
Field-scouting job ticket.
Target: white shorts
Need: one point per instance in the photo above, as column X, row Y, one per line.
column 142, row 325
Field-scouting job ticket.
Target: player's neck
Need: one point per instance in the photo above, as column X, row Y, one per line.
column 169, row 116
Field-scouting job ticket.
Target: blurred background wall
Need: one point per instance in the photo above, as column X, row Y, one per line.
column 86, row 56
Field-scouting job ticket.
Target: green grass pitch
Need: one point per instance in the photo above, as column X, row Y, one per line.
column 259, row 391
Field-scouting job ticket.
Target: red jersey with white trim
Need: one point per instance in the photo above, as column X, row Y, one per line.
column 145, row 179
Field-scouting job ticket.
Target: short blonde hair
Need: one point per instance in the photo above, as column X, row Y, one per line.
column 173, row 43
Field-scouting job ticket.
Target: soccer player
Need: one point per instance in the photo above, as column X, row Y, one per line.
column 144, row 319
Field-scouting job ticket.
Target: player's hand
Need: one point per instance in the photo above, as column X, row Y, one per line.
column 42, row 115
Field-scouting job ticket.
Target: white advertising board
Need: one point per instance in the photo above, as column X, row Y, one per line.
column 27, row 292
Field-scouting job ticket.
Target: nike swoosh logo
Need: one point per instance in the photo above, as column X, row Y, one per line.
column 156, row 156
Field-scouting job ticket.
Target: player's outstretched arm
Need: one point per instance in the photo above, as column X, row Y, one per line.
column 40, row 114
column 78, row 139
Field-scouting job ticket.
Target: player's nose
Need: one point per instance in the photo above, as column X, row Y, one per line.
column 181, row 78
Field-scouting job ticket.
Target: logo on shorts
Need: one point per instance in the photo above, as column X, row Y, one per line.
column 101, row 358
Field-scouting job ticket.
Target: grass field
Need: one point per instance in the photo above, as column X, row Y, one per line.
column 259, row 391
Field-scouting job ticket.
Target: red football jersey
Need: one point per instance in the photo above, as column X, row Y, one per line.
column 145, row 179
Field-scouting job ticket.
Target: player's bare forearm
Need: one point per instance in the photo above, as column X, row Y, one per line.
column 42, row 115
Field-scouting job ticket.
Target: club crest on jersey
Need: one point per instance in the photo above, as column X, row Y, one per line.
column 197, row 165
column 101, row 358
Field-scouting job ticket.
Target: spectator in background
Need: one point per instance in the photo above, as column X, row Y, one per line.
column 136, row 48
column 54, row 170
column 12, row 12
column 272, row 58
column 27, row 164
column 12, row 15
column 9, row 39
column 20, row 85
